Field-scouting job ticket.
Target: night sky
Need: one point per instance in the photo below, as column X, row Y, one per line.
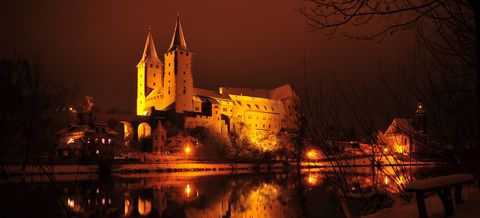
column 95, row 45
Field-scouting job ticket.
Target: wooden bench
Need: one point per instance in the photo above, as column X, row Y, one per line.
column 442, row 186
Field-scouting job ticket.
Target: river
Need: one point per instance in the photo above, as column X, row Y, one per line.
column 293, row 193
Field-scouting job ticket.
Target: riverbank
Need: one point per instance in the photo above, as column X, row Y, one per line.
column 186, row 165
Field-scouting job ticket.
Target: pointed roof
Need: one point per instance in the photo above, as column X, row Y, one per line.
column 178, row 40
column 149, row 53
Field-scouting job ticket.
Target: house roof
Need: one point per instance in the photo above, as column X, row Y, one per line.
column 400, row 125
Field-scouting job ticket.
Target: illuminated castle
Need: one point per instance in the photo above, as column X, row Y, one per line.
column 169, row 86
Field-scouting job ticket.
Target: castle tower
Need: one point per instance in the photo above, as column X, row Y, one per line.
column 178, row 81
column 149, row 78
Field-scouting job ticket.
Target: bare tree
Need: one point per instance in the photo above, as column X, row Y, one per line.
column 447, row 43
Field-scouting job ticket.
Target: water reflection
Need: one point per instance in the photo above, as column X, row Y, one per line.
column 305, row 193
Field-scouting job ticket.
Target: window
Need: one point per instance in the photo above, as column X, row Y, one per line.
column 197, row 109
column 272, row 109
column 258, row 108
column 183, row 72
column 151, row 65
column 265, row 107
column 153, row 75
column 225, row 109
column 249, row 106
column 157, row 65
column 153, row 83
column 186, row 53
column 181, row 52
column 169, row 66
column 184, row 90
column 103, row 140
column 109, row 141
column 216, row 106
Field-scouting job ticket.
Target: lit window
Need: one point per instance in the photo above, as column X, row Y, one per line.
column 103, row 140
column 109, row 141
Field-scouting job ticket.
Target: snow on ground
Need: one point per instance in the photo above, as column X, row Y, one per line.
column 470, row 207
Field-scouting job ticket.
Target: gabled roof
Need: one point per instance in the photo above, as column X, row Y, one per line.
column 178, row 40
column 400, row 125
column 149, row 52
column 282, row 92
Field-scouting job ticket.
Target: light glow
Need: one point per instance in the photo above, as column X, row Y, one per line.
column 188, row 190
column 312, row 154
column 70, row 141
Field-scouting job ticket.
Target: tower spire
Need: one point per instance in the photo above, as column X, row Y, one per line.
column 178, row 40
column 149, row 53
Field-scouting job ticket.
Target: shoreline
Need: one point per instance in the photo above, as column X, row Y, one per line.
column 184, row 166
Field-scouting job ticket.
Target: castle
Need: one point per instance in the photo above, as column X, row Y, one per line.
column 168, row 86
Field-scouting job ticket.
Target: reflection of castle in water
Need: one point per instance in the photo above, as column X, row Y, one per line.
column 206, row 197
column 250, row 195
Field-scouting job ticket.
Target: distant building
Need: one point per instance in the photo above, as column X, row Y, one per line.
column 404, row 135
column 89, row 139
column 169, row 86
